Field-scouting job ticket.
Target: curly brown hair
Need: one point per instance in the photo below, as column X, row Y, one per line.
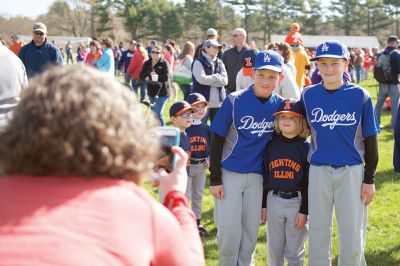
column 283, row 48
column 76, row 121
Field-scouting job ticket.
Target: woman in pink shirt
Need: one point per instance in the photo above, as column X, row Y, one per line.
column 73, row 155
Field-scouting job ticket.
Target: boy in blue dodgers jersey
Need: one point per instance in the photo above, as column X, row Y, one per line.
column 242, row 128
column 199, row 139
column 286, row 184
column 343, row 157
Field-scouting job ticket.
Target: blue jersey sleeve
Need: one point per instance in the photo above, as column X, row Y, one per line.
column 223, row 119
column 370, row 125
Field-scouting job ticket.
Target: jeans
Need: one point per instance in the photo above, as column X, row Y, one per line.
column 127, row 78
column 358, row 73
column 185, row 90
column 158, row 109
column 385, row 90
column 143, row 88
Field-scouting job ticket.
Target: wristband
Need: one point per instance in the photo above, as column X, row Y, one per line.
column 174, row 199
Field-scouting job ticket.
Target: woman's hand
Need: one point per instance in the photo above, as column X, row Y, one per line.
column 177, row 179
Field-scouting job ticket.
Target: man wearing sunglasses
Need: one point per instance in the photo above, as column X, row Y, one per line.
column 232, row 57
column 39, row 54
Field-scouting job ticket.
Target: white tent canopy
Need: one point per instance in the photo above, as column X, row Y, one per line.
column 60, row 40
column 311, row 41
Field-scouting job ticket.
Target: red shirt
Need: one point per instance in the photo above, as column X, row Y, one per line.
column 92, row 59
column 96, row 221
column 136, row 65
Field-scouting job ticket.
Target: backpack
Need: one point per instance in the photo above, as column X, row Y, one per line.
column 383, row 69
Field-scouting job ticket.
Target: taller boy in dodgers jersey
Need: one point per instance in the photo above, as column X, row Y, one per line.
column 242, row 128
column 343, row 157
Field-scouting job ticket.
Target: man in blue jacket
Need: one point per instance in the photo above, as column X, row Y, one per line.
column 38, row 54
column 125, row 60
column 390, row 88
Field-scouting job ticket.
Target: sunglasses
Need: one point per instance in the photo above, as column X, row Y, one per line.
column 38, row 33
column 187, row 115
column 235, row 35
column 155, row 52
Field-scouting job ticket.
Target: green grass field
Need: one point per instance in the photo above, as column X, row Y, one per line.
column 383, row 236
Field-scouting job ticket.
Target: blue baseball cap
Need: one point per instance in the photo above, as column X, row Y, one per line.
column 196, row 98
column 269, row 59
column 249, row 57
column 179, row 108
column 331, row 49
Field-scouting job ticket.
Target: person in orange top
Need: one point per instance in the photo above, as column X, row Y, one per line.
column 294, row 36
column 16, row 44
column 301, row 60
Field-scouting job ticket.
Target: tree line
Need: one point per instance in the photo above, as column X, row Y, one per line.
column 189, row 19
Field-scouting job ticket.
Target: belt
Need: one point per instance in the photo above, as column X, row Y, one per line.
column 286, row 195
column 198, row 161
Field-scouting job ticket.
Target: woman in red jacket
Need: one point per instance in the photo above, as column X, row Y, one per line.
column 73, row 155
column 95, row 53
column 139, row 57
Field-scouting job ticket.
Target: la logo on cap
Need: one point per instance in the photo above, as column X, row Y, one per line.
column 325, row 48
column 267, row 58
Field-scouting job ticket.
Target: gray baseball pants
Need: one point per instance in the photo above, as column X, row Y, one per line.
column 284, row 240
column 338, row 188
column 238, row 218
column 195, row 187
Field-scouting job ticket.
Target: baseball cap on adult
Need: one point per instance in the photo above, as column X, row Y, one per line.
column 38, row 26
column 248, row 60
column 291, row 107
column 179, row 108
column 392, row 38
column 195, row 98
column 269, row 59
column 331, row 49
column 212, row 32
column 209, row 43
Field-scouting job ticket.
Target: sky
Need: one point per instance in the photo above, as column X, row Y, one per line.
column 29, row 8
column 33, row 8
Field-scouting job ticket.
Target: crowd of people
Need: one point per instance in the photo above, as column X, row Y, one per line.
column 72, row 176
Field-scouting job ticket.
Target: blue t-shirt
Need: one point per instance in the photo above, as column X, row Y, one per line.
column 247, row 124
column 339, row 122
column 199, row 139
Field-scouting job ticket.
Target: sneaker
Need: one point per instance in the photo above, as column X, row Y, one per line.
column 203, row 232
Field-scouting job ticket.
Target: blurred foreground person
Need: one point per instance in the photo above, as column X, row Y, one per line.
column 73, row 155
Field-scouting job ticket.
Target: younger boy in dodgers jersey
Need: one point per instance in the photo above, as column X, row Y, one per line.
column 242, row 128
column 343, row 158
column 286, row 182
column 199, row 139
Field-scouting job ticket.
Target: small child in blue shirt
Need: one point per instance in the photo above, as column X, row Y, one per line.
column 199, row 139
column 181, row 114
